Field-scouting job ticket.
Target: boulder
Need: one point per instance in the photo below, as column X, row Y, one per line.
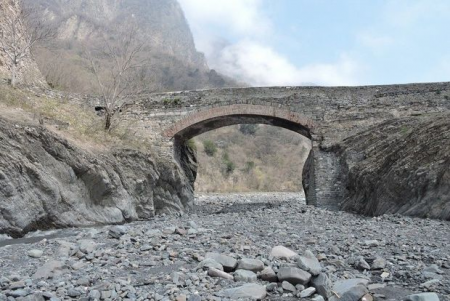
column 228, row 263
column 349, row 290
column 244, row 276
column 308, row 262
column 294, row 275
column 254, row 265
column 268, row 274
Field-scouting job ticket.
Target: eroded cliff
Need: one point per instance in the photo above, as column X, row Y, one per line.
column 47, row 182
column 401, row 166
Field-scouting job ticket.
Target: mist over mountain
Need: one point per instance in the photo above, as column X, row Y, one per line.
column 173, row 63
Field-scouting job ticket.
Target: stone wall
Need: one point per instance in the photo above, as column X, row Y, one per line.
column 328, row 116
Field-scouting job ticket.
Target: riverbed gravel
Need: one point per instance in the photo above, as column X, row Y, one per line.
column 241, row 246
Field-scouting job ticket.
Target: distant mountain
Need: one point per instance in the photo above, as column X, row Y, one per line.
column 174, row 62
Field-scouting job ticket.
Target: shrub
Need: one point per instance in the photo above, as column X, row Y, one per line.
column 249, row 165
column 191, row 144
column 210, row 148
column 229, row 167
column 248, row 129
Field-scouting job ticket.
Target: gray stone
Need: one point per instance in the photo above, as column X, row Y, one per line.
column 308, row 262
column 422, row 297
column 250, row 291
column 288, row 286
column 307, row 292
column 209, row 263
column 268, row 274
column 48, row 269
column 35, row 253
column 322, row 284
column 362, row 264
column 229, row 263
column 294, row 275
column 254, row 265
column 87, row 245
column 349, row 290
column 244, row 276
column 282, row 252
column 213, row 272
column 379, row 263
column 117, row 231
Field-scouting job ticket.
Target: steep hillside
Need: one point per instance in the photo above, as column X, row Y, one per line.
column 172, row 62
column 27, row 71
column 263, row 158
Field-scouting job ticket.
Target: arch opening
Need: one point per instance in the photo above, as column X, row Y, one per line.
column 203, row 122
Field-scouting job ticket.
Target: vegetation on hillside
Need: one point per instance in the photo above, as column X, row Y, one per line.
column 61, row 114
column 250, row 158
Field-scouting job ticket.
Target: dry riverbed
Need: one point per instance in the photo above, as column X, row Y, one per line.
column 269, row 246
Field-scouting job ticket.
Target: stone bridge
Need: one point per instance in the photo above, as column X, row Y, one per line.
column 326, row 115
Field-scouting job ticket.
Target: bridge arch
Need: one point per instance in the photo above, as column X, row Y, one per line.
column 213, row 118
column 206, row 120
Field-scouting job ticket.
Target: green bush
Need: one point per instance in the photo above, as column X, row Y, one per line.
column 248, row 129
column 229, row 165
column 210, row 148
column 191, row 144
column 249, row 165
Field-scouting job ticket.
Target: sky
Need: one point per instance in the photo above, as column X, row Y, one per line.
column 323, row 42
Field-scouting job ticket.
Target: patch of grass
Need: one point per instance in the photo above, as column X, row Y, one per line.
column 83, row 126
column 172, row 101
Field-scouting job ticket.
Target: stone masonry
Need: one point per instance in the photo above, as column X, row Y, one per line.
column 326, row 115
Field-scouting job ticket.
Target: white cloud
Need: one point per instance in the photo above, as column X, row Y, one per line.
column 250, row 57
column 376, row 43
column 259, row 65
column 243, row 17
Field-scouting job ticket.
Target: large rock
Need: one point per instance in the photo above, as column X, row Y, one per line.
column 249, row 291
column 254, row 265
column 244, row 276
column 268, row 274
column 322, row 284
column 309, row 263
column 294, row 275
column 45, row 181
column 229, row 263
column 349, row 290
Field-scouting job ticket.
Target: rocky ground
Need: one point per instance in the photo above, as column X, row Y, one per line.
column 268, row 246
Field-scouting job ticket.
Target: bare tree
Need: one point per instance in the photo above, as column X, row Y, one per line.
column 21, row 29
column 115, row 67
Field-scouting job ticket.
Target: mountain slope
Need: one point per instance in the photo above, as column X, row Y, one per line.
column 173, row 61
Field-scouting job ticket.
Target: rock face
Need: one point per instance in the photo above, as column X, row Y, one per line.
column 46, row 182
column 400, row 166
column 27, row 71
column 175, row 64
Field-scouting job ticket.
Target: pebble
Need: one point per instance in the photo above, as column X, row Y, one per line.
column 173, row 257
